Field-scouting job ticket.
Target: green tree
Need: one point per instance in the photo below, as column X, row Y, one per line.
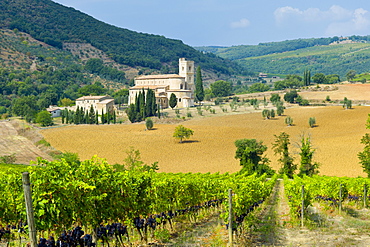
column 66, row 102
column 149, row 123
column 350, row 75
column 44, row 118
column 281, row 146
column 182, row 132
column 221, row 88
column 131, row 113
column 308, row 167
column 266, row 114
column 312, row 122
column 250, row 153
column 272, row 113
column 347, row 104
column 279, row 108
column 319, row 78
column 289, row 121
column 291, row 96
column 364, row 156
column 275, row 97
column 307, row 77
column 173, row 100
column 199, row 90
column 91, row 117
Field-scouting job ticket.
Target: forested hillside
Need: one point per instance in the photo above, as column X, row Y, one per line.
column 55, row 24
column 321, row 55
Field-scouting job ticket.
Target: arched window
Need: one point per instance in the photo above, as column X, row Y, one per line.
column 181, row 86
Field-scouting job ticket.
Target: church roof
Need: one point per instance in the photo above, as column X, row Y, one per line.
column 148, row 86
column 146, row 77
column 93, row 97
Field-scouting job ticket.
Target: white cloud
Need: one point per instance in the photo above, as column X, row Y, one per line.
column 334, row 21
column 242, row 23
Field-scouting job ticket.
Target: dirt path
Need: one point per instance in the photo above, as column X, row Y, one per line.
column 326, row 228
column 206, row 232
column 12, row 143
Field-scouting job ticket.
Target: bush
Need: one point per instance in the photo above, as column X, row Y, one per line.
column 149, row 123
column 312, row 122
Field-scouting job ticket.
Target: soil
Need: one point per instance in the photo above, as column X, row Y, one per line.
column 16, row 138
column 326, row 227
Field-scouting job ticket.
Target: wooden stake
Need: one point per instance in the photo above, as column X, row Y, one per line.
column 302, row 209
column 29, row 208
column 230, row 218
column 365, row 196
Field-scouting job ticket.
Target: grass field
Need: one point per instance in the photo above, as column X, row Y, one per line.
column 211, row 149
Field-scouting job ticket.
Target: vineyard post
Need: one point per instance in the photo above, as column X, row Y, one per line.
column 230, row 218
column 29, row 208
column 302, row 209
column 365, row 196
column 340, row 199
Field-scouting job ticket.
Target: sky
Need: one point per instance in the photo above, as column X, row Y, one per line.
column 232, row 22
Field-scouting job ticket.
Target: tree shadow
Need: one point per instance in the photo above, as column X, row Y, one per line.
column 189, row 141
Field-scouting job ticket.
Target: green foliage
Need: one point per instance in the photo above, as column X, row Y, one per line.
column 275, row 97
column 347, row 104
column 258, row 87
column 182, row 132
column 319, row 78
column 291, row 96
column 249, row 152
column 40, row 19
column 281, row 146
column 149, row 123
column 144, row 106
column 289, row 121
column 44, row 119
column 296, row 56
column 199, row 90
column 221, row 88
column 364, row 156
column 307, row 77
column 279, row 108
column 312, row 122
column 94, row 89
column 307, row 167
column 266, row 114
column 351, row 75
column 291, row 81
column 173, row 101
column 8, row 159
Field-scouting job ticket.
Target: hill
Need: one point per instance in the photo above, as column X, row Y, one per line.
column 58, row 26
column 324, row 55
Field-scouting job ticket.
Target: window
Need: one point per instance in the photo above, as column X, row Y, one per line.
column 181, row 86
column 179, row 99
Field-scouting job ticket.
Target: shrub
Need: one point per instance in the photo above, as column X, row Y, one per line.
column 149, row 123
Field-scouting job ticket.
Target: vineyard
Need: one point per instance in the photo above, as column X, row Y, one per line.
column 93, row 197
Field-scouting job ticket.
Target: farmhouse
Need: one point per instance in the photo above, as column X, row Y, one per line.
column 182, row 85
column 55, row 111
column 101, row 104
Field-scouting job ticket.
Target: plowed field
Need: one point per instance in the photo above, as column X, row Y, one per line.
column 211, row 148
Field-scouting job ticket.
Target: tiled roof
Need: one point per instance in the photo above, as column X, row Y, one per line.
column 145, row 77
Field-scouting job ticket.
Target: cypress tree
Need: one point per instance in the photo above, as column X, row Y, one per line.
column 199, row 90
column 77, row 114
column 108, row 117
column 159, row 111
column 154, row 104
column 114, row 117
column 102, row 117
column 91, row 118
column 148, row 103
column 96, row 117
column 63, row 117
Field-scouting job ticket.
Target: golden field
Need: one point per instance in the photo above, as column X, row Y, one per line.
column 211, row 148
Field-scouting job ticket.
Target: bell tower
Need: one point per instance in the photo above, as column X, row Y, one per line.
column 186, row 69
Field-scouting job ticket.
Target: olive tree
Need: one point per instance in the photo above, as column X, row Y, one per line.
column 281, row 146
column 250, row 153
column 181, row 132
